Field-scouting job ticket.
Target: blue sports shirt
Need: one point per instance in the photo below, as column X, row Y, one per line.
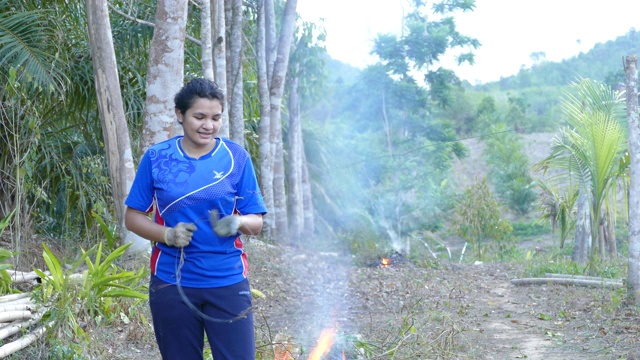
column 178, row 188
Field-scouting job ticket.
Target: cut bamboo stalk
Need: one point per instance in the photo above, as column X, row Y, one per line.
column 25, row 300
column 21, row 276
column 23, row 342
column 566, row 281
column 18, row 307
column 582, row 277
column 14, row 328
column 12, row 297
column 7, row 316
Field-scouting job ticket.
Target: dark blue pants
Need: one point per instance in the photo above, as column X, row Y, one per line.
column 180, row 330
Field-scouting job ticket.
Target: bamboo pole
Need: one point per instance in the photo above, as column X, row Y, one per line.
column 24, row 341
column 15, row 327
column 22, row 277
column 18, row 307
column 17, row 302
column 582, row 277
column 566, row 281
column 7, row 316
column 12, row 297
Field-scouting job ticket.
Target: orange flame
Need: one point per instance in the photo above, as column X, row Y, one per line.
column 325, row 341
column 385, row 262
column 283, row 352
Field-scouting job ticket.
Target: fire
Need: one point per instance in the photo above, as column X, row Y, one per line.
column 385, row 262
column 284, row 352
column 325, row 341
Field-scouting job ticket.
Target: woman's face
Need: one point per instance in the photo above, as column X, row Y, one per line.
column 201, row 122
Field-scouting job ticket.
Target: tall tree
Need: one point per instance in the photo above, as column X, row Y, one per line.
column 206, row 36
column 294, row 173
column 165, row 72
column 276, row 91
column 264, row 129
column 234, row 12
column 112, row 117
column 633, row 270
column 220, row 58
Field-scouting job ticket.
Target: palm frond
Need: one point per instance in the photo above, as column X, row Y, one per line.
column 23, row 39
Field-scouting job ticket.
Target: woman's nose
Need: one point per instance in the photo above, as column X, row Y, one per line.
column 209, row 123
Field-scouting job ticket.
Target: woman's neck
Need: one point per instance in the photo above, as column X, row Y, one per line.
column 196, row 151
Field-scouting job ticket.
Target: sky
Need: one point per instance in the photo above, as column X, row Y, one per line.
column 509, row 30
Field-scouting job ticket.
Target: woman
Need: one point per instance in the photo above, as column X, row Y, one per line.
column 203, row 193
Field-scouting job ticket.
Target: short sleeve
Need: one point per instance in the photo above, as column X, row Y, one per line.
column 250, row 200
column 141, row 194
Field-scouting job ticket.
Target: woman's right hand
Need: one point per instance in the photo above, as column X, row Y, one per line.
column 180, row 235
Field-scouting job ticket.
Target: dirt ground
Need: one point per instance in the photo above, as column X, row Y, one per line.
column 455, row 311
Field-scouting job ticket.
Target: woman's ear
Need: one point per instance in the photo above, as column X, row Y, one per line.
column 179, row 115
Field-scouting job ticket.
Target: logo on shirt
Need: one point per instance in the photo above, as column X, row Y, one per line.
column 217, row 175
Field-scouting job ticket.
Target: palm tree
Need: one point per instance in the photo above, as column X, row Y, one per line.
column 589, row 149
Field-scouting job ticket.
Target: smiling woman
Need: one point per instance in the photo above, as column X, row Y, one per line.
column 202, row 193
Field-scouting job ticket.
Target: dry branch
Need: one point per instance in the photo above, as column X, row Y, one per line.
column 566, row 281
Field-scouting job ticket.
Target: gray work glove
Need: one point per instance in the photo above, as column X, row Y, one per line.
column 227, row 226
column 179, row 235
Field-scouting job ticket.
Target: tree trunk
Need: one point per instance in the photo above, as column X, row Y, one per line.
column 271, row 38
column 609, row 235
column 235, row 78
column 307, row 199
column 582, row 245
column 205, row 40
column 220, row 59
column 294, row 175
column 165, row 72
column 265, row 148
column 276, row 92
column 633, row 270
column 112, row 117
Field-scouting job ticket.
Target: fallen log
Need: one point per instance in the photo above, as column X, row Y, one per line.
column 566, row 281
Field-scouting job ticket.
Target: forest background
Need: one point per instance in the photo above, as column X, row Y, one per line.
column 375, row 176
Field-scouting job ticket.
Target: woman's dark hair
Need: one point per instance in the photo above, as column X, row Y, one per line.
column 195, row 89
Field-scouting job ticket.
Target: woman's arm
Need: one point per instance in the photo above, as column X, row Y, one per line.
column 140, row 224
column 251, row 224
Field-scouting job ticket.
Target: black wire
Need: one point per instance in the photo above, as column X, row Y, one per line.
column 204, row 316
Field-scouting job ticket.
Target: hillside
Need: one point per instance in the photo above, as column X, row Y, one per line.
column 473, row 167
